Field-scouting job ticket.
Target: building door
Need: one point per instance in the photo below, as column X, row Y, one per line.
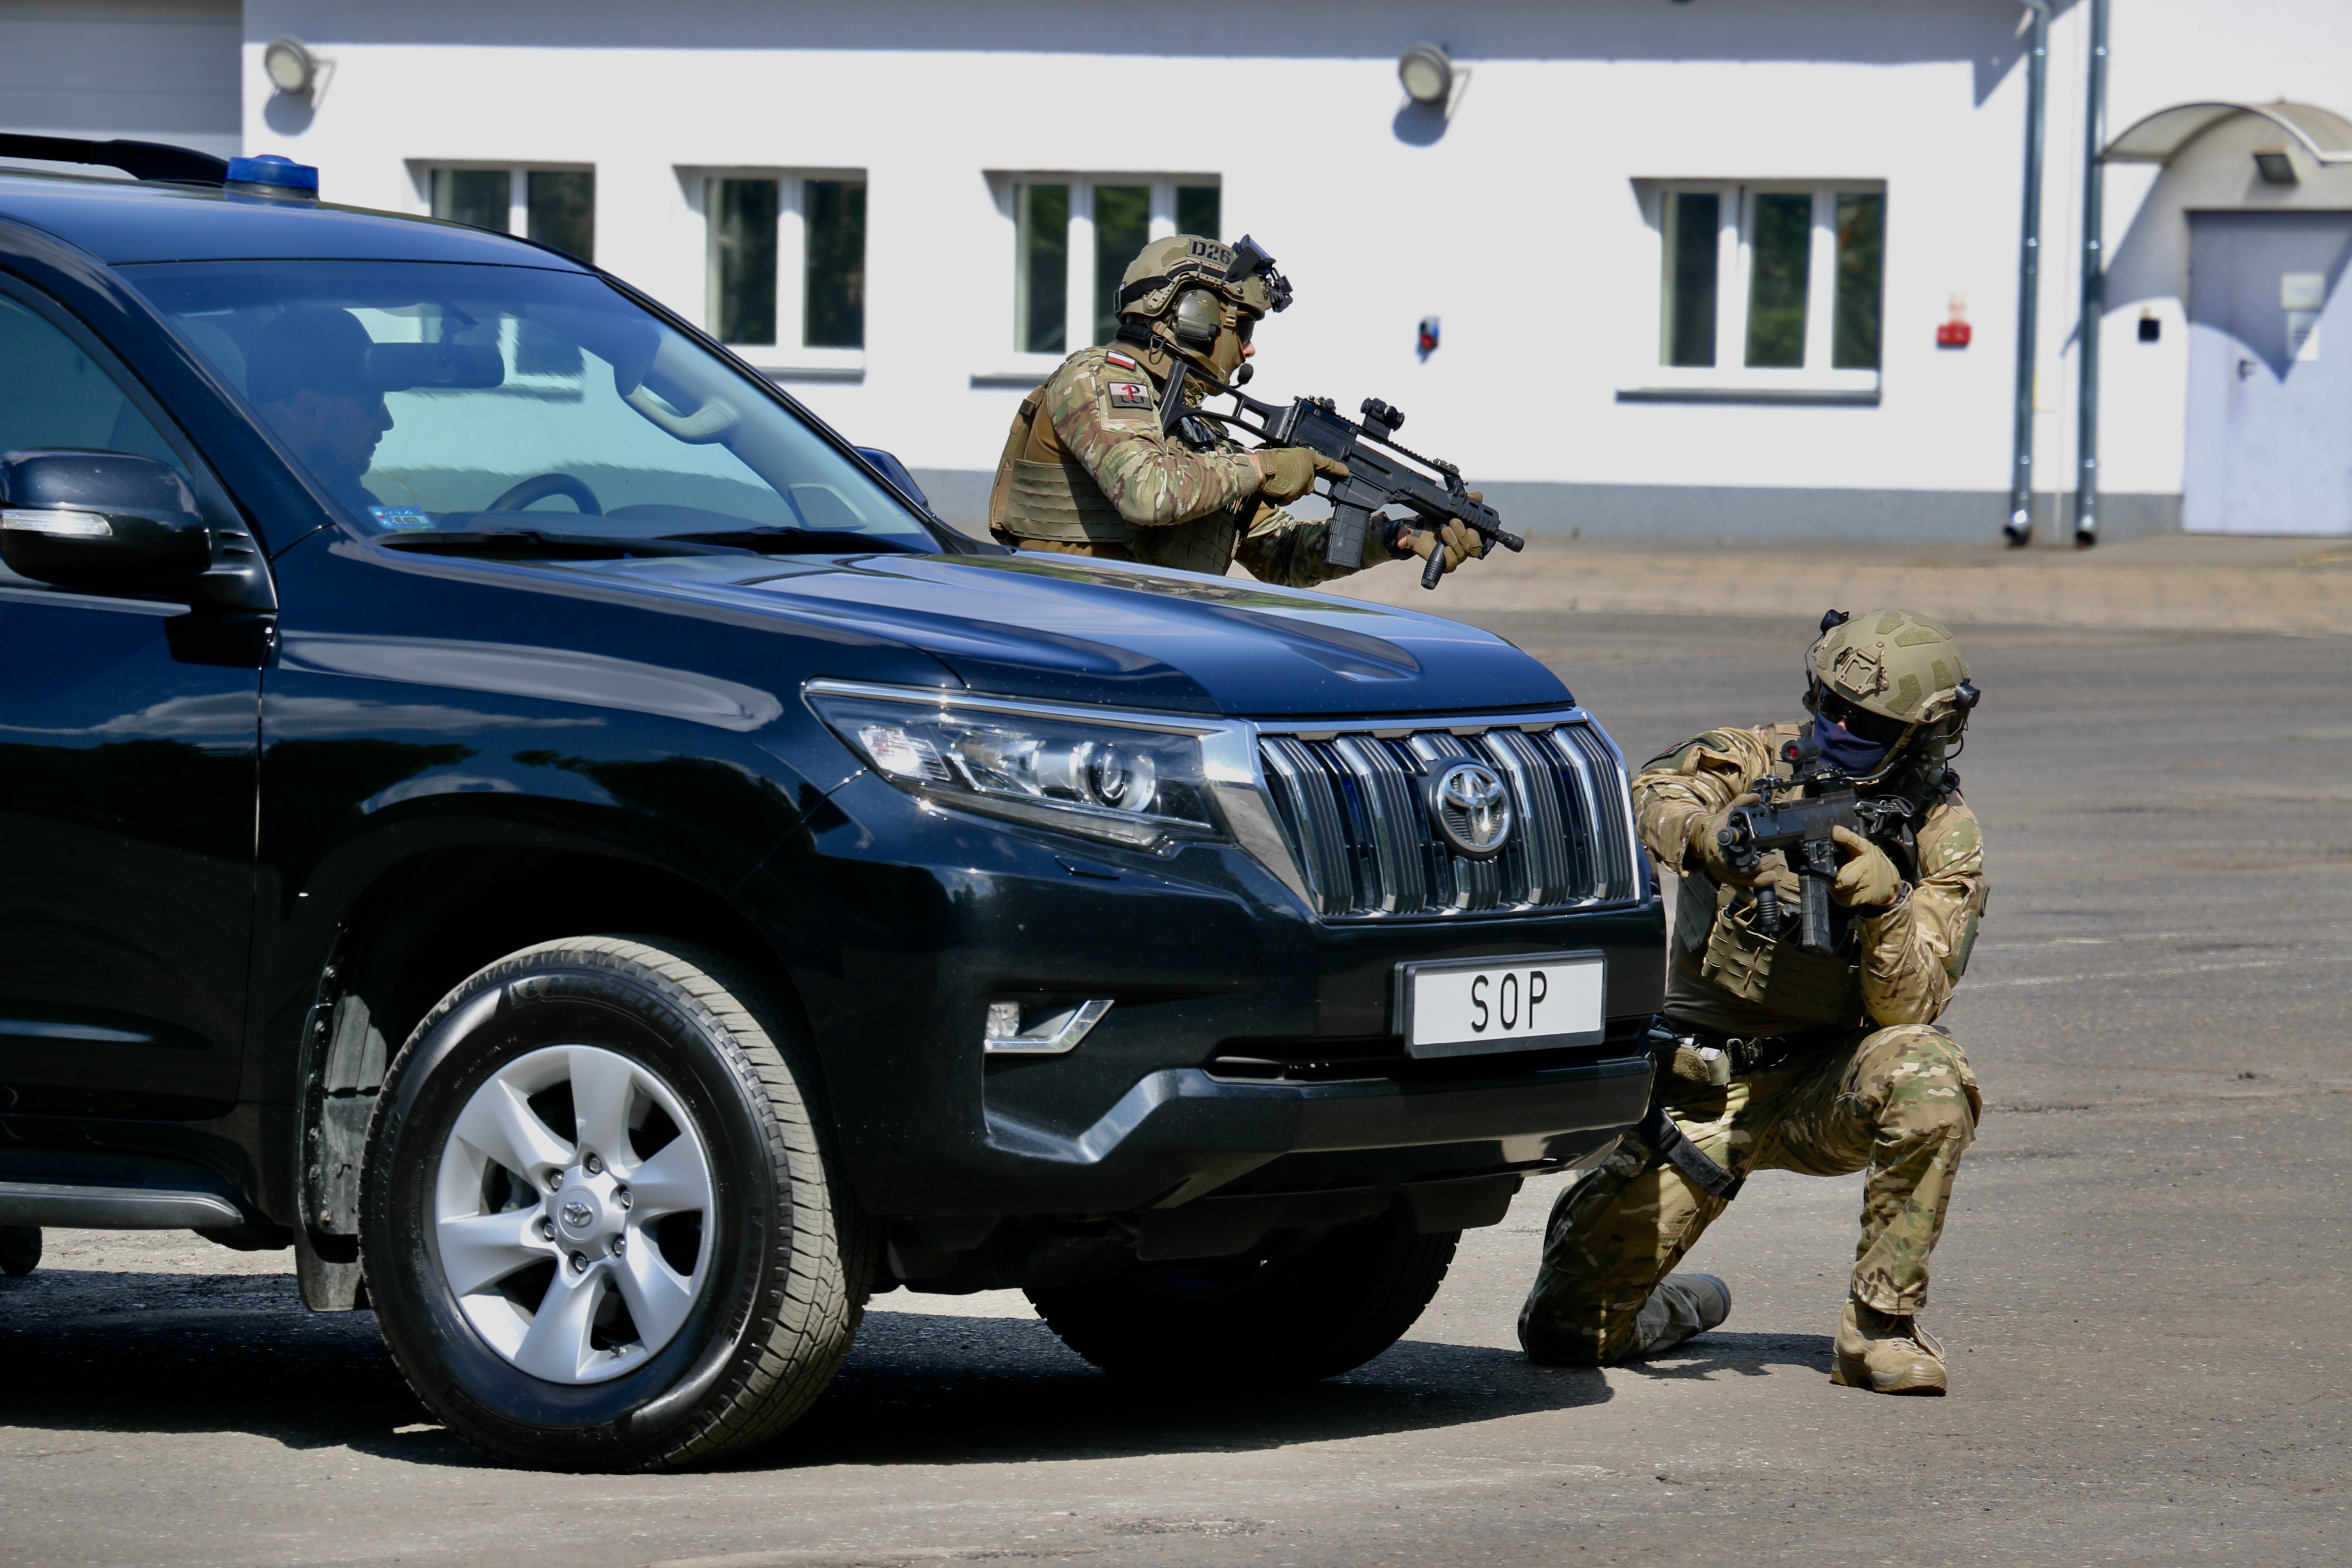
column 2270, row 374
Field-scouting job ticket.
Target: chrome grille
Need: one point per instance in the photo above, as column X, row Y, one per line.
column 1354, row 808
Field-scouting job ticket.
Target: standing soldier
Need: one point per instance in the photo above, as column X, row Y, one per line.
column 1783, row 1061
column 1091, row 469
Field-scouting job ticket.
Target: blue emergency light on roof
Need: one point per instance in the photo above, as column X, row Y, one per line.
column 272, row 175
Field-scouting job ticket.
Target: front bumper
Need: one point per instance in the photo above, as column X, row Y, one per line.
column 1181, row 1134
column 901, row 923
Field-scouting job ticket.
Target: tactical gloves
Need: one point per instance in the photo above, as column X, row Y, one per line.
column 1868, row 879
column 1290, row 472
column 1706, row 848
column 1459, row 541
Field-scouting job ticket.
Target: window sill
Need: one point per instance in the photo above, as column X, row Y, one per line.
column 1021, row 371
column 1833, row 388
column 804, row 363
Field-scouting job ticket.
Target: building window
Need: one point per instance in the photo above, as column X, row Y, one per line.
column 1073, row 238
column 743, row 260
column 788, row 261
column 1041, row 295
column 1764, row 286
column 555, row 207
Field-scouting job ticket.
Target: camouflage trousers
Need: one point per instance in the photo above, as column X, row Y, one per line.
column 1899, row 1102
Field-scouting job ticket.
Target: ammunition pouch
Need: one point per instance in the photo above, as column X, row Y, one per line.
column 1059, row 502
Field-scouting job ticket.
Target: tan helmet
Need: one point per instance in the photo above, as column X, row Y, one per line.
column 1201, row 298
column 1897, row 664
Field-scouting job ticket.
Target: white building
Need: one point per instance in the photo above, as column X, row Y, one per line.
column 1692, row 260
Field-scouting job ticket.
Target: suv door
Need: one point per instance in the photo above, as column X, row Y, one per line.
column 127, row 787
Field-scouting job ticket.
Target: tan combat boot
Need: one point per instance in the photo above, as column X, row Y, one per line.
column 1681, row 1306
column 1886, row 1355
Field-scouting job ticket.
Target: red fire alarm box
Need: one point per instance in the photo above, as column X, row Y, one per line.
column 1956, row 332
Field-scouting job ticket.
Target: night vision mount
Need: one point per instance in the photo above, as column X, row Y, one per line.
column 1249, row 259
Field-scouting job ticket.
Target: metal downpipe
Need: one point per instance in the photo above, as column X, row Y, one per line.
column 2019, row 529
column 2094, row 284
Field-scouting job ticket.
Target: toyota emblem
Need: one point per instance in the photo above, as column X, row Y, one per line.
column 1470, row 808
column 577, row 1214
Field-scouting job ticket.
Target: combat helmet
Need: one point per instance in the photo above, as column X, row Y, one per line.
column 1894, row 674
column 1200, row 299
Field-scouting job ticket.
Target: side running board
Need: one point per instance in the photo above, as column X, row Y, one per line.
column 74, row 1206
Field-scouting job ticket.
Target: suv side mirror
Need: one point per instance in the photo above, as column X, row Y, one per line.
column 93, row 518
column 896, row 472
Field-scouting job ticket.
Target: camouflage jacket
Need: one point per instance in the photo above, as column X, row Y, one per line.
column 1895, row 967
column 1094, row 448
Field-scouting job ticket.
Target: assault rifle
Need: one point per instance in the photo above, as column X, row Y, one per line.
column 1379, row 474
column 1801, row 830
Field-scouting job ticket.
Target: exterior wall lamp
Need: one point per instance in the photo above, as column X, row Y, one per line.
column 1426, row 72
column 294, row 70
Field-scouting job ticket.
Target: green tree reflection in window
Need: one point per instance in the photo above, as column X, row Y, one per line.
column 1042, row 268
column 1861, row 280
column 1780, row 243
column 833, row 219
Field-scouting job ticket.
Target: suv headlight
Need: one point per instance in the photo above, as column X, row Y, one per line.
column 1134, row 780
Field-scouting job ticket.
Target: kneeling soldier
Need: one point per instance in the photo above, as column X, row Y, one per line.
column 1774, row 1059
column 1091, row 469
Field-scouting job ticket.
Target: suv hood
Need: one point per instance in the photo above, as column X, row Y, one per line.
column 1079, row 630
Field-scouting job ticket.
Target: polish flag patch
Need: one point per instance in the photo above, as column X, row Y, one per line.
column 1121, row 361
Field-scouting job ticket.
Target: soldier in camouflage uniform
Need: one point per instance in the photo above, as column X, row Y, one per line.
column 1088, row 468
column 1772, row 1058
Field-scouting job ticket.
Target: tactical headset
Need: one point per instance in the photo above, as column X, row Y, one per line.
column 1248, row 286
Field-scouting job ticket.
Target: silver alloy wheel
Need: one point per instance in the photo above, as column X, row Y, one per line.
column 575, row 1256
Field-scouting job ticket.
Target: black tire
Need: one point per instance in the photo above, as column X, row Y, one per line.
column 1274, row 1318
column 20, row 1248
column 786, row 1256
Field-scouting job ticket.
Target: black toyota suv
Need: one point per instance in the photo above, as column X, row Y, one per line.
column 501, row 800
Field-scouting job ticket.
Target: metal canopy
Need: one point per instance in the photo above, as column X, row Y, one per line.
column 2323, row 133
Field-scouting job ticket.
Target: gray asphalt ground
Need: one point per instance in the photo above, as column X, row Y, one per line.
column 2142, row 1286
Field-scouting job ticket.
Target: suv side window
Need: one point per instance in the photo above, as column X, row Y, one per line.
column 52, row 394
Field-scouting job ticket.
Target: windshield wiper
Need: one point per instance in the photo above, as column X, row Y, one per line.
column 532, row 541
column 800, row 541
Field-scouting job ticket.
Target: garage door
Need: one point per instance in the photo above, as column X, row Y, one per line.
column 157, row 70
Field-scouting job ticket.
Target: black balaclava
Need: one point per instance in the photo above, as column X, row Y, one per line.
column 1844, row 749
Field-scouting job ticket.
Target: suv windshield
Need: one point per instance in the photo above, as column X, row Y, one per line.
column 453, row 399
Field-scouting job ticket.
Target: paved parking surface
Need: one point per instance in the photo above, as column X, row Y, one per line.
column 2176, row 581
column 2143, row 1284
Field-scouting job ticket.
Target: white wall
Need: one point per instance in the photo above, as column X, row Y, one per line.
column 1519, row 224
column 152, row 70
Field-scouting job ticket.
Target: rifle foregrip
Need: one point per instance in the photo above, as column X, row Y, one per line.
column 1433, row 569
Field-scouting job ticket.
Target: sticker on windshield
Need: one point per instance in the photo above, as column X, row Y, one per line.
column 402, row 519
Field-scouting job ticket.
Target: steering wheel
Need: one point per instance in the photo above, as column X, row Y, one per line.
column 544, row 486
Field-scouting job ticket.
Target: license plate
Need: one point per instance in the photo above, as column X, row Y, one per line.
column 1466, row 1006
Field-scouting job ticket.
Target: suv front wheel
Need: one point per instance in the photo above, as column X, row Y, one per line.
column 601, row 1225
